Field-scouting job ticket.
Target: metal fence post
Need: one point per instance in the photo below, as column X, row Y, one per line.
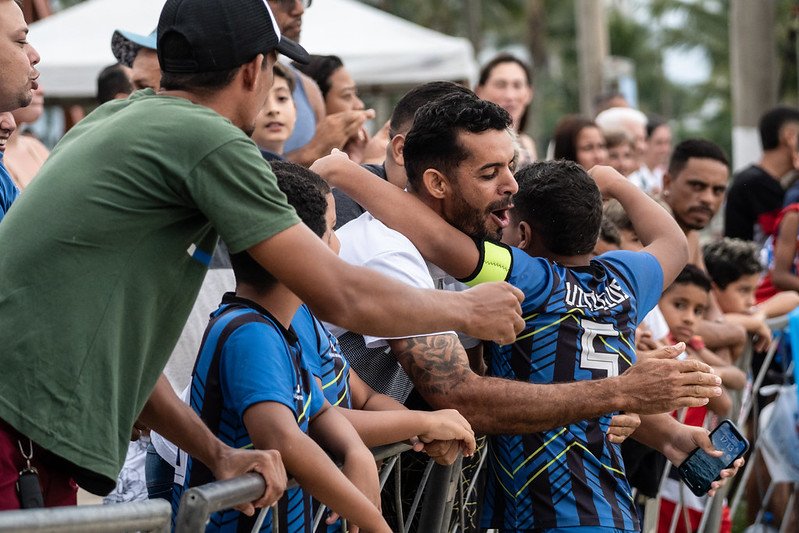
column 440, row 497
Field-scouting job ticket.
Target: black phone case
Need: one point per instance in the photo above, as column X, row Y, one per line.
column 701, row 490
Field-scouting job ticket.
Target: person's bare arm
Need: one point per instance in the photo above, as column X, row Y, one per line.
column 731, row 376
column 656, row 228
column 272, row 425
column 754, row 323
column 364, row 301
column 719, row 334
column 785, row 253
column 780, row 304
column 178, row 423
column 386, row 427
column 437, row 241
column 444, row 452
column 676, row 440
column 439, row 369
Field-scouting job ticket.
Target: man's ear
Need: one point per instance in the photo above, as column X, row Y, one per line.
column 398, row 148
column 436, row 183
column 666, row 184
column 788, row 135
column 251, row 72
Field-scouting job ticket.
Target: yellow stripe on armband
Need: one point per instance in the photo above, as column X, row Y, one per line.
column 496, row 265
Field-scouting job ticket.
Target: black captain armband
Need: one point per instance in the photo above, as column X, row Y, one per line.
column 495, row 264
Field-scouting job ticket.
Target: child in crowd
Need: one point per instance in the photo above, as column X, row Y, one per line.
column 683, row 305
column 275, row 123
column 615, row 213
column 581, row 315
column 609, row 237
column 254, row 385
column 621, row 152
column 781, row 254
column 735, row 271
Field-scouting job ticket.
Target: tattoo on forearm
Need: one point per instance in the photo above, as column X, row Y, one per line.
column 436, row 364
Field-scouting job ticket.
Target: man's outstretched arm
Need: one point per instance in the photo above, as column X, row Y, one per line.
column 367, row 302
column 439, row 369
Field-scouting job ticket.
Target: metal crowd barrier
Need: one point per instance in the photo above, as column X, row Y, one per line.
column 151, row 515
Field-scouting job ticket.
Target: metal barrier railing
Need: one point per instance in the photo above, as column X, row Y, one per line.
column 198, row 503
column 151, row 515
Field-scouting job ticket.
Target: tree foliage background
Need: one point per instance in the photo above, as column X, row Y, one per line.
column 640, row 30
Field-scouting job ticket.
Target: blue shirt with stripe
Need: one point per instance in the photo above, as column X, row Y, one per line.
column 247, row 357
column 8, row 189
column 580, row 325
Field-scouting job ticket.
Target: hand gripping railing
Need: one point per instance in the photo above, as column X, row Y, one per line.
column 197, row 503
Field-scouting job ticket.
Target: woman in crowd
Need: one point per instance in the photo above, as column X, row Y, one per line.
column 578, row 139
column 340, row 94
column 506, row 81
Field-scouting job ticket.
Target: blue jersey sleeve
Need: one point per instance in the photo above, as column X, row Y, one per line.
column 316, row 400
column 644, row 274
column 256, row 366
column 533, row 276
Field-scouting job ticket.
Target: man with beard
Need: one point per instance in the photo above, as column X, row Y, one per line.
column 694, row 188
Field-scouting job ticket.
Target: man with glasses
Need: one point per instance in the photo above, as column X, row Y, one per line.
column 309, row 142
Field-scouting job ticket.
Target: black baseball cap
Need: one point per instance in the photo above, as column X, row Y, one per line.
column 213, row 35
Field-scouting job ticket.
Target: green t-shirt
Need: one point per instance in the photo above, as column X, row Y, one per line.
column 102, row 258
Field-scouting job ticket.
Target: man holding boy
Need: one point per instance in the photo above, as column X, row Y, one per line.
column 468, row 139
column 94, row 295
column 594, row 306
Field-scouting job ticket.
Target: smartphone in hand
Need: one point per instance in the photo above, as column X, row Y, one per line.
column 699, row 470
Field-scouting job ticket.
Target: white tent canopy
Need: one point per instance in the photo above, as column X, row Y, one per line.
column 377, row 48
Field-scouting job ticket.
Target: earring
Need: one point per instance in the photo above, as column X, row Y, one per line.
column 665, row 193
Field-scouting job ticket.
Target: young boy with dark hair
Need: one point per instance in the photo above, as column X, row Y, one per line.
column 684, row 304
column 734, row 271
column 581, row 315
column 609, row 237
column 254, row 385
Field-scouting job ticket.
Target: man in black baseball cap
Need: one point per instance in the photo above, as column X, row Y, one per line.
column 94, row 295
column 214, row 35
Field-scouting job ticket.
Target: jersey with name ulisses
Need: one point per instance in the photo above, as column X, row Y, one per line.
column 580, row 325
